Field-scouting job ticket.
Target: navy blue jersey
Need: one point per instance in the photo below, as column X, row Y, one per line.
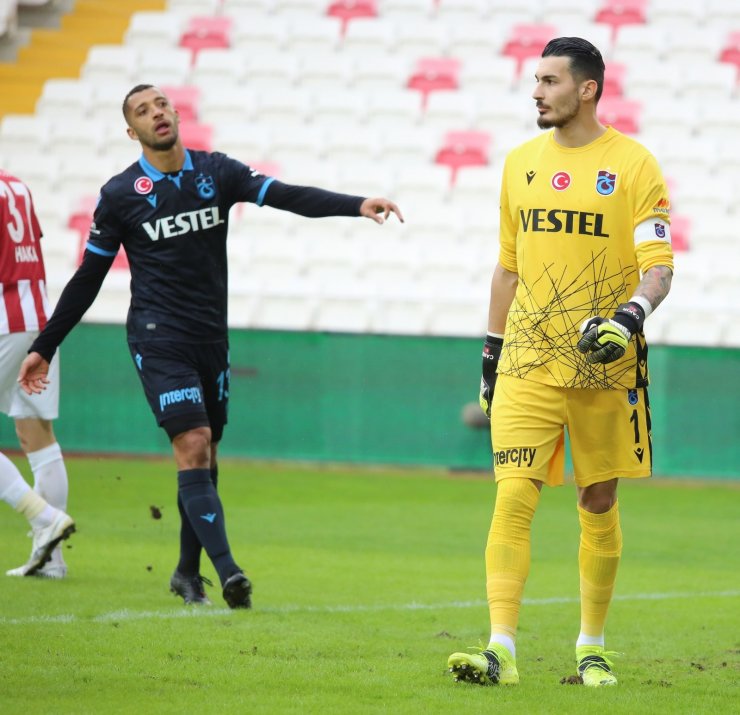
column 173, row 228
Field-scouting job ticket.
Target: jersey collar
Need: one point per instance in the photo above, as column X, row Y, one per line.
column 156, row 175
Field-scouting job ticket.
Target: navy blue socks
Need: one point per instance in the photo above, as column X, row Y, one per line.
column 200, row 505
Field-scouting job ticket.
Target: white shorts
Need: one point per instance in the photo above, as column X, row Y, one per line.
column 13, row 401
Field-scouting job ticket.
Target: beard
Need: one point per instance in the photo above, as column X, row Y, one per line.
column 567, row 114
column 161, row 144
column 164, row 144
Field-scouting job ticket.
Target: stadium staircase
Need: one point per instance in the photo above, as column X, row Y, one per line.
column 59, row 52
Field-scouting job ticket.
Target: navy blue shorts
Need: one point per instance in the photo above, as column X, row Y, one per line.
column 186, row 384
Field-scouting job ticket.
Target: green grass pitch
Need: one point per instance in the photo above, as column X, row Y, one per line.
column 365, row 581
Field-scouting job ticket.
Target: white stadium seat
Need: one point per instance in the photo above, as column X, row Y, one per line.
column 154, row 29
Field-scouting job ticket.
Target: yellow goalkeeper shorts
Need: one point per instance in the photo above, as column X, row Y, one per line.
column 609, row 432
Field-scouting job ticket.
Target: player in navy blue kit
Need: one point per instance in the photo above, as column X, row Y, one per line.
column 170, row 211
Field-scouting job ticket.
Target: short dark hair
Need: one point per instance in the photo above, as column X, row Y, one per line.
column 134, row 90
column 586, row 61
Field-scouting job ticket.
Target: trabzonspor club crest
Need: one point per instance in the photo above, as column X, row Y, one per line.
column 205, row 186
column 605, row 182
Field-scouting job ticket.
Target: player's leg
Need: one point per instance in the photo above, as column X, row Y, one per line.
column 49, row 525
column 203, row 507
column 33, row 414
column 610, row 437
column 37, row 439
column 599, row 553
column 215, row 375
column 190, row 546
column 171, row 376
column 526, row 453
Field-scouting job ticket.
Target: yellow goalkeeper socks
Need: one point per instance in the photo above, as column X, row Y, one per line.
column 508, row 555
column 598, row 559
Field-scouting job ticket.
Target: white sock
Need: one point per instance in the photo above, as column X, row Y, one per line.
column 505, row 641
column 12, row 484
column 583, row 639
column 50, row 475
column 44, row 518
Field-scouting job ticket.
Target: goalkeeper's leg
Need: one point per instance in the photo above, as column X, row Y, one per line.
column 507, row 568
column 598, row 556
column 508, row 555
column 598, row 560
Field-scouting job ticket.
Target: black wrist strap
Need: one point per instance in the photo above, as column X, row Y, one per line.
column 492, row 348
column 630, row 315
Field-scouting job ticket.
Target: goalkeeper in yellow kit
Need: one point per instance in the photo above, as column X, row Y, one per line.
column 585, row 257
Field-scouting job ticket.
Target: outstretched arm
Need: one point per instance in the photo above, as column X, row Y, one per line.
column 313, row 202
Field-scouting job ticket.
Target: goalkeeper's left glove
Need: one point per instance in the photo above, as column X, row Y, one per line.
column 491, row 354
column 606, row 340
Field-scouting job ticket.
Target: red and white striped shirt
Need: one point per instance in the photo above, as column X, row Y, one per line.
column 24, row 305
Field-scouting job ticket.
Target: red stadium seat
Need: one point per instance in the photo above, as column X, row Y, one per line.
column 680, row 231
column 197, row 136
column 80, row 220
column 347, row 10
column 616, row 13
column 461, row 149
column 730, row 51
column 206, row 33
column 185, row 99
column 622, row 114
column 527, row 41
column 614, row 78
column 434, row 74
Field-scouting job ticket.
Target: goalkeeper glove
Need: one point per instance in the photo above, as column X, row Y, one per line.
column 606, row 340
column 491, row 354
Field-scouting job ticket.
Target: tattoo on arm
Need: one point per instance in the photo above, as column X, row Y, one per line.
column 655, row 284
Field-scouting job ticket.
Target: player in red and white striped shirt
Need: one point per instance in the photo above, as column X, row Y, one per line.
column 24, row 309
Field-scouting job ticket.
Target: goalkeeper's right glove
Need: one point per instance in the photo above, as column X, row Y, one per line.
column 491, row 354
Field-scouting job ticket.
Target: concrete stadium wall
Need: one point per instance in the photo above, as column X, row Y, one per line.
column 375, row 399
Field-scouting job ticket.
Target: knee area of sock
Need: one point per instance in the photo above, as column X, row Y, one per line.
column 516, row 499
column 187, row 478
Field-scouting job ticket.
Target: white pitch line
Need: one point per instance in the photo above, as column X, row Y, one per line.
column 200, row 612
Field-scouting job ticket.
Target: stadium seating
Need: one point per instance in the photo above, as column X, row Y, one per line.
column 204, row 32
column 526, row 41
column 461, row 12
column 449, row 109
column 421, row 39
column 408, row 10
column 186, row 98
column 617, row 13
column 197, row 136
column 622, row 114
column 730, row 50
column 311, row 36
column 434, row 74
column 463, row 149
column 480, row 41
column 154, row 29
column 347, row 10
column 416, row 99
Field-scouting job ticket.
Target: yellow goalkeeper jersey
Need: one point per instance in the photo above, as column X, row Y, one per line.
column 578, row 226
